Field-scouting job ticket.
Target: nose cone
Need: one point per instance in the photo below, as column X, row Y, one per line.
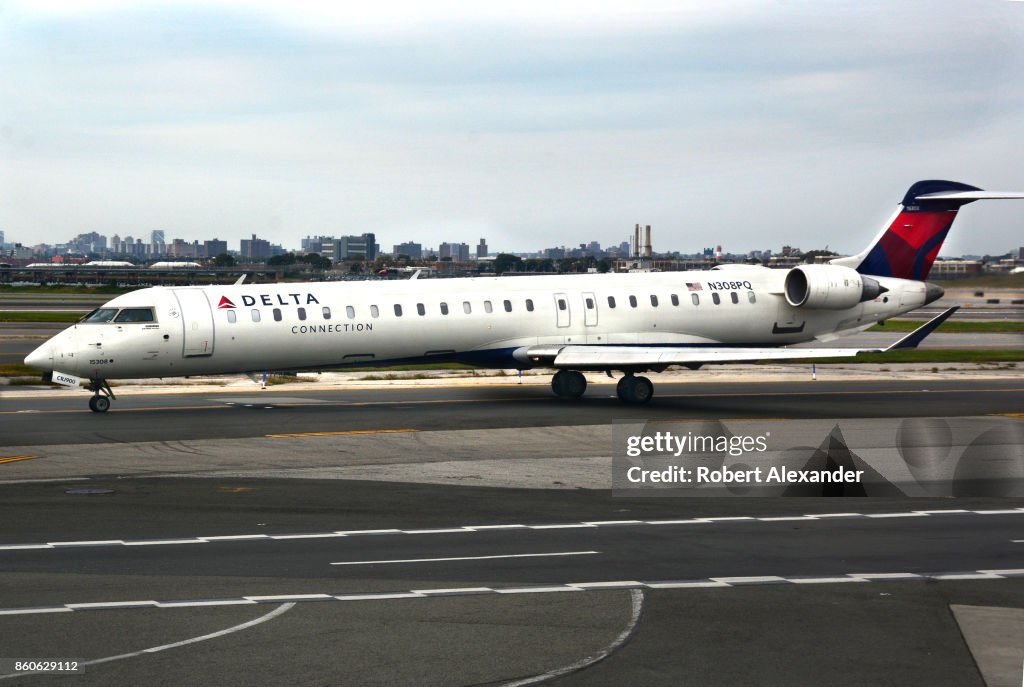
column 932, row 292
column 41, row 358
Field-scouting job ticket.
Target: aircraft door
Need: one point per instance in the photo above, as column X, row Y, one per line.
column 197, row 319
column 589, row 310
column 562, row 309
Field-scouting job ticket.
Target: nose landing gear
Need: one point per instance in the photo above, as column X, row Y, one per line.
column 102, row 395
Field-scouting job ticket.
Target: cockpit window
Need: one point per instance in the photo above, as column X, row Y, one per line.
column 100, row 315
column 135, row 315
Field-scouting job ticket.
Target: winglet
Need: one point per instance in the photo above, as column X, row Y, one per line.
column 915, row 337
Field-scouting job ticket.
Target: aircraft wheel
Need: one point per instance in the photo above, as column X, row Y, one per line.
column 569, row 384
column 634, row 390
column 99, row 404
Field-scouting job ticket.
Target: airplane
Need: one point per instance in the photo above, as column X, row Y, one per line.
column 632, row 323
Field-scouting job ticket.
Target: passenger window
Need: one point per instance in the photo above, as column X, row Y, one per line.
column 466, row 307
column 444, row 308
column 421, row 309
column 734, row 297
column 135, row 315
column 374, row 311
column 632, row 301
column 398, row 310
column 654, row 301
column 277, row 314
column 508, row 306
column 529, row 305
column 675, row 299
column 231, row 316
column 561, row 304
column 695, row 298
column 611, row 301
column 302, row 314
column 751, row 297
column 716, row 298
column 327, row 313
column 255, row 315
column 590, row 304
column 487, row 307
column 350, row 312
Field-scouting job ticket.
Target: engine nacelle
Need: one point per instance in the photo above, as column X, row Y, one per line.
column 830, row 287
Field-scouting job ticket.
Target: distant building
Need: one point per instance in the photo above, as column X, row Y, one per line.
column 254, row 248
column 88, row 243
column 180, row 248
column 457, row 252
column 954, row 269
column 362, row 247
column 481, row 248
column 212, row 249
column 413, row 250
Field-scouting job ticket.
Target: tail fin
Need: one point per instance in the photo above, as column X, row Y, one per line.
column 909, row 243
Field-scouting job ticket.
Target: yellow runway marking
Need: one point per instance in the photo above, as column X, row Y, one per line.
column 118, row 410
column 335, row 434
column 1019, row 416
column 14, row 459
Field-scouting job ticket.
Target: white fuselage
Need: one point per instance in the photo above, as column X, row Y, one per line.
column 317, row 325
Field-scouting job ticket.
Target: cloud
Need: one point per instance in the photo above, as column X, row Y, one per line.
column 720, row 123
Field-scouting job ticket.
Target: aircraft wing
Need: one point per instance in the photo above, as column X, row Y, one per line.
column 610, row 357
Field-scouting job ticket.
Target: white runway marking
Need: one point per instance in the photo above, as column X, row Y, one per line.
column 637, row 598
column 283, row 608
column 470, row 529
column 593, row 586
column 471, row 558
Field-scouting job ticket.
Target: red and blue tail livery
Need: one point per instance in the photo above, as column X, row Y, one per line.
column 909, row 243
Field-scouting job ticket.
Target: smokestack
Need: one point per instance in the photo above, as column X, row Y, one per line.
column 647, row 243
column 636, row 242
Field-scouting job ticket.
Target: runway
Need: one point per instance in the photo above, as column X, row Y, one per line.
column 62, row 417
column 466, row 535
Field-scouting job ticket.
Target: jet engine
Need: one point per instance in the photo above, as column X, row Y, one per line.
column 830, row 287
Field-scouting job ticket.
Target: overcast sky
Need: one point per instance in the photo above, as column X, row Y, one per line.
column 745, row 124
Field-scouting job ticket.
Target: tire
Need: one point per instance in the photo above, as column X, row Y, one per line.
column 99, row 404
column 634, row 390
column 575, row 384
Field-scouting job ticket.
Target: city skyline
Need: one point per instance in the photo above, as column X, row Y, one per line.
column 733, row 123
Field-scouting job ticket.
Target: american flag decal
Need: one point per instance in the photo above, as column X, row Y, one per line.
column 693, row 287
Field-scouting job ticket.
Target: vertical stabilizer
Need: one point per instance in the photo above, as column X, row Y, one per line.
column 909, row 243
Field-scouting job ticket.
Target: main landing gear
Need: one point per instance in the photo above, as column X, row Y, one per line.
column 634, row 390
column 102, row 395
column 568, row 384
column 630, row 389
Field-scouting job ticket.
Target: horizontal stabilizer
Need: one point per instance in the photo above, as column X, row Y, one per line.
column 972, row 195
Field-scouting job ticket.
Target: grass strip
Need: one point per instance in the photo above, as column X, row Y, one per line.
column 42, row 316
column 954, row 326
column 917, row 355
